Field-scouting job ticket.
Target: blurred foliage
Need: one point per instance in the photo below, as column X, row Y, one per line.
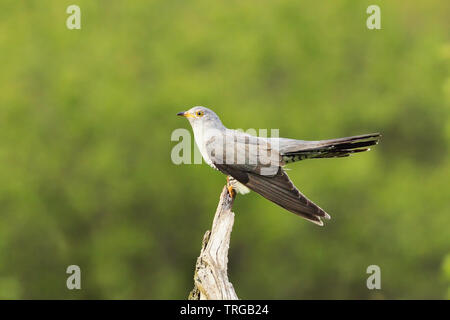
column 86, row 118
column 446, row 268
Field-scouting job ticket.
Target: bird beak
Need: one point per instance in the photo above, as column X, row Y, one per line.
column 185, row 114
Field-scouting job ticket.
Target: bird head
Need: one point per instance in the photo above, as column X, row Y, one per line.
column 201, row 116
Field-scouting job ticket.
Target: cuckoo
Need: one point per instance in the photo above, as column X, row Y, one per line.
column 256, row 163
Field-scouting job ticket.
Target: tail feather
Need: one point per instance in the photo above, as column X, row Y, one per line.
column 333, row 148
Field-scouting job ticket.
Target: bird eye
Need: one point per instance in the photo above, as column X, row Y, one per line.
column 199, row 113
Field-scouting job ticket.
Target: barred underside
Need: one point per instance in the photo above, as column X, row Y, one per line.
column 239, row 187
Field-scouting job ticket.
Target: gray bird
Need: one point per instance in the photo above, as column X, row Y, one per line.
column 256, row 163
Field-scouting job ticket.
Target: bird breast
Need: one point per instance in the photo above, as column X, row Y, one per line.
column 200, row 141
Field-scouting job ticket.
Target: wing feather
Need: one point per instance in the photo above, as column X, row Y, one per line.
column 280, row 190
column 261, row 172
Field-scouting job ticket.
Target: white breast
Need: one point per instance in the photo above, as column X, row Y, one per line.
column 200, row 140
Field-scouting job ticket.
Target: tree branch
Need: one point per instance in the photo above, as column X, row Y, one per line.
column 210, row 277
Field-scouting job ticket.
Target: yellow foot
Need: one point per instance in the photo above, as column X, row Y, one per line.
column 230, row 189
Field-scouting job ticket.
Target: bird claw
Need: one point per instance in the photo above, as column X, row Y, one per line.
column 230, row 189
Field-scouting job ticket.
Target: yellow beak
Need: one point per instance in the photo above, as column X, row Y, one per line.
column 185, row 114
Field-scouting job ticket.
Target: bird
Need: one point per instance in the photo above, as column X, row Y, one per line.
column 258, row 163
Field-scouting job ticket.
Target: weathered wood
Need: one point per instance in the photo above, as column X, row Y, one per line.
column 210, row 278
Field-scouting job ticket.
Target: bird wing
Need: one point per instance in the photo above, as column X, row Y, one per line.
column 269, row 180
column 244, row 152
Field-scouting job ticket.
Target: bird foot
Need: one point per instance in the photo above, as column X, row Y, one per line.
column 230, row 189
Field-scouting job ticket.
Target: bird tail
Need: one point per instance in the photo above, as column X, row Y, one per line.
column 333, row 148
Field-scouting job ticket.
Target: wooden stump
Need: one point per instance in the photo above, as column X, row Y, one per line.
column 210, row 277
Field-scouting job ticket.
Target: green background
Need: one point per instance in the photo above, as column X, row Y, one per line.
column 86, row 118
